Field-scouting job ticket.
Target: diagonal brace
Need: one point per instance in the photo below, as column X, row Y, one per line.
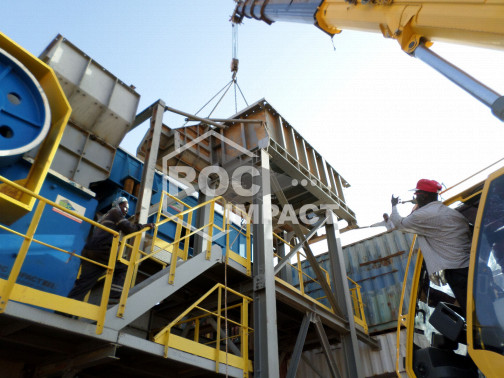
column 333, row 367
column 312, row 232
column 298, row 348
column 309, row 254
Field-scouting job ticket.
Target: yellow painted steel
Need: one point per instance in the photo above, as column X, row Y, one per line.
column 14, row 202
column 18, row 263
column 486, row 360
column 358, row 305
column 210, row 230
column 10, row 290
column 403, row 318
column 170, row 340
column 355, row 293
column 218, row 330
column 407, row 21
column 410, row 319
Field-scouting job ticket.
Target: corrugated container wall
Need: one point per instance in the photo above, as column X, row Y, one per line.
column 378, row 265
column 375, row 363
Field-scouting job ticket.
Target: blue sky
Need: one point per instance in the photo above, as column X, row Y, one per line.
column 380, row 117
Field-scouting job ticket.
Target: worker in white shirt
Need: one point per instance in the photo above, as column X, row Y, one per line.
column 386, row 222
column 443, row 236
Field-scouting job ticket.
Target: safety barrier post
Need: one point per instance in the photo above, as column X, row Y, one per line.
column 23, row 251
column 196, row 330
column 132, row 268
column 186, row 236
column 109, row 275
column 300, row 274
column 217, row 337
column 249, row 249
column 158, row 218
column 361, row 306
column 210, row 230
column 244, row 336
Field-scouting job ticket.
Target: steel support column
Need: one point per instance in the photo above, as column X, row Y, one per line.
column 342, row 293
column 202, row 218
column 145, row 193
column 266, row 363
column 285, row 273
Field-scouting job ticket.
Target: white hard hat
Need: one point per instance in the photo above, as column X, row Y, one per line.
column 120, row 200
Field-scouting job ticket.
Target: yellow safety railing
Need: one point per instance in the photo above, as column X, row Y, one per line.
column 10, row 290
column 185, row 227
column 184, row 230
column 211, row 343
column 357, row 304
column 304, row 278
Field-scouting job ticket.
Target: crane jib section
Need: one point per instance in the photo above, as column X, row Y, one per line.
column 471, row 22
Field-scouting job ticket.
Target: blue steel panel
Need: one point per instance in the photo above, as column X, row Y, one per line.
column 124, row 166
column 44, row 268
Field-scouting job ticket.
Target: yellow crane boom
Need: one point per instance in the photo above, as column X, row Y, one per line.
column 414, row 24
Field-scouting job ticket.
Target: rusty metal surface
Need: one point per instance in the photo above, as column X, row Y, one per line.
column 305, row 176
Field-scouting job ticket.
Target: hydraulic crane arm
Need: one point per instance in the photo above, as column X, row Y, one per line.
column 414, row 24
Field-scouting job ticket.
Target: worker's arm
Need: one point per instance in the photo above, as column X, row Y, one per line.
column 379, row 224
column 419, row 221
column 124, row 225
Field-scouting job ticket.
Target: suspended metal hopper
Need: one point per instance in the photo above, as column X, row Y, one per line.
column 305, row 176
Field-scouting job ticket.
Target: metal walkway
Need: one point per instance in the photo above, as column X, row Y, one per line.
column 158, row 321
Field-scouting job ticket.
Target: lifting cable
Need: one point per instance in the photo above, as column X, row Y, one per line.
column 233, row 82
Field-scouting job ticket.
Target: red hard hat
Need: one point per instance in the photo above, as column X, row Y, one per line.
column 431, row 186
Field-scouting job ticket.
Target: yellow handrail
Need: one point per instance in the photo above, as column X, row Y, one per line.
column 10, row 290
column 403, row 319
column 165, row 336
column 355, row 292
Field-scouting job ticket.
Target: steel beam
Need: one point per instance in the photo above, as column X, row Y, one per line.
column 309, row 254
column 342, row 293
column 156, row 288
column 266, row 363
column 312, row 232
column 310, row 364
column 333, row 367
column 298, row 348
column 231, row 344
column 148, row 172
column 75, row 364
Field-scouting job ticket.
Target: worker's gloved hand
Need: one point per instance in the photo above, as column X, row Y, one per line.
column 150, row 225
column 394, row 200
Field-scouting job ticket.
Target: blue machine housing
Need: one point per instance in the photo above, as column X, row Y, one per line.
column 55, row 271
column 126, row 166
column 46, row 268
